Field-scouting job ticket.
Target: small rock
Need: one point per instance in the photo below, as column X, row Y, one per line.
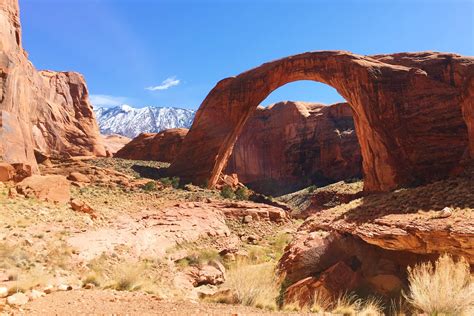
column 3, row 292
column 17, row 299
column 35, row 294
column 247, row 219
column 79, row 177
column 49, row 289
column 64, row 287
column 12, row 193
column 89, row 286
column 445, row 212
column 83, row 207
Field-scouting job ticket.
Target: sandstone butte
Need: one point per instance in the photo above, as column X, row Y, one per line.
column 413, row 113
column 44, row 110
column 291, row 145
column 161, row 146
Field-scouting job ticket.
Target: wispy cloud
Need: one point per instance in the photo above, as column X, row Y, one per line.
column 166, row 84
column 103, row 100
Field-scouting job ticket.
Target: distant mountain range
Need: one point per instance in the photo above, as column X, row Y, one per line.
column 130, row 122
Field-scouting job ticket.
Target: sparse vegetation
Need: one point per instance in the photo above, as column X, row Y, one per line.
column 227, row 192
column 446, row 287
column 254, row 285
column 171, row 182
column 149, row 186
column 242, row 193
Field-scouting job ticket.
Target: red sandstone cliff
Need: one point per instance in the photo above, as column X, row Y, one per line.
column 163, row 146
column 290, row 145
column 46, row 110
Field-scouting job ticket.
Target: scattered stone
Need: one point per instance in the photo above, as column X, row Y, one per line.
column 64, row 287
column 79, row 177
column 445, row 212
column 3, row 292
column 48, row 289
column 247, row 219
column 83, row 207
column 35, row 294
column 17, row 299
column 89, row 286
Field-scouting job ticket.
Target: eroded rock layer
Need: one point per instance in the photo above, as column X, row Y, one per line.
column 408, row 112
column 46, row 110
column 163, row 146
column 291, row 145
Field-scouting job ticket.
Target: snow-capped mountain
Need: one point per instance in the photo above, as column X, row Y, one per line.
column 128, row 121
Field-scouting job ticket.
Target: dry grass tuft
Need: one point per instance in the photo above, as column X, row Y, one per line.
column 254, row 285
column 445, row 288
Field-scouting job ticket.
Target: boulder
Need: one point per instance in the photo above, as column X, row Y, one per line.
column 17, row 299
column 79, row 177
column 7, row 172
column 52, row 188
column 331, row 284
column 150, row 146
column 83, row 207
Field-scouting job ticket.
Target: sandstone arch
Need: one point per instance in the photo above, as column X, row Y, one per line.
column 407, row 112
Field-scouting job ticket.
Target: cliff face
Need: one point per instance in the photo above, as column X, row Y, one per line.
column 290, row 145
column 45, row 110
column 163, row 146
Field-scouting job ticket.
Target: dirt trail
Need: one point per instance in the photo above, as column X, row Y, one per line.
column 108, row 302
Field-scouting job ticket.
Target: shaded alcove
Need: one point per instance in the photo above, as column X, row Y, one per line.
column 289, row 145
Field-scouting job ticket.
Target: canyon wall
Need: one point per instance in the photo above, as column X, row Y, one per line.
column 291, row 145
column 46, row 110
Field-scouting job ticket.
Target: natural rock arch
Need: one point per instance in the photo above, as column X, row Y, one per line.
column 407, row 112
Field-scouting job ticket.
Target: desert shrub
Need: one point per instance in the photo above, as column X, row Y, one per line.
column 443, row 288
column 312, row 188
column 242, row 193
column 227, row 192
column 171, row 182
column 254, row 285
column 149, row 186
column 127, row 277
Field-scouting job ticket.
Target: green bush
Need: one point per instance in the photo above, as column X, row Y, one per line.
column 149, row 186
column 312, row 188
column 170, row 182
column 227, row 192
column 242, row 193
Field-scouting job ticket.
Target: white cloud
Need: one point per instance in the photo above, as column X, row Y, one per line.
column 103, row 100
column 166, row 84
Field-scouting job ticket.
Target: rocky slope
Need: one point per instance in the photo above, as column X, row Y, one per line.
column 130, row 122
column 114, row 143
column 46, row 110
column 163, row 146
column 291, row 145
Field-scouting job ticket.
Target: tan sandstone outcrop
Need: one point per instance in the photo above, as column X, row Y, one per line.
column 408, row 112
column 291, row 145
column 114, row 143
column 163, row 146
column 46, row 110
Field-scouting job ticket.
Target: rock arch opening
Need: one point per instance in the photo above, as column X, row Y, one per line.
column 407, row 112
column 289, row 145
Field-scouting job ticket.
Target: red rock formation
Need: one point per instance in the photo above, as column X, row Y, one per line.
column 291, row 145
column 45, row 110
column 114, row 143
column 163, row 146
column 407, row 111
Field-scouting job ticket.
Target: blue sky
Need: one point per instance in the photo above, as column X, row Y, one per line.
column 171, row 53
